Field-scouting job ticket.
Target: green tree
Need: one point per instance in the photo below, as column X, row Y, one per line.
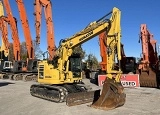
column 79, row 50
column 92, row 62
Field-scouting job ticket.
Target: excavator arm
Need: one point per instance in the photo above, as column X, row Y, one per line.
column 48, row 17
column 26, row 30
column 13, row 25
column 4, row 31
column 112, row 88
column 148, row 65
column 111, row 26
column 103, row 51
column 16, row 43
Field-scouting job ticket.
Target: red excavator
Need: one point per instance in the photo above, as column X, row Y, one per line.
column 148, row 65
column 16, row 43
column 22, row 69
column 31, row 62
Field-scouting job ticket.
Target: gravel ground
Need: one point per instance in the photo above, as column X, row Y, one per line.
column 15, row 99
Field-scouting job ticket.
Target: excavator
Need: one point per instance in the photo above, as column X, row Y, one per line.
column 4, row 32
column 5, row 64
column 31, row 63
column 148, row 65
column 13, row 25
column 60, row 79
column 22, row 69
column 46, row 4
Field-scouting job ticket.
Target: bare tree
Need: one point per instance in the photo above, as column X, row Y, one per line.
column 23, row 51
column 11, row 55
column 37, row 51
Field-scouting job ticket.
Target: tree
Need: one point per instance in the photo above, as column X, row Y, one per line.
column 23, row 51
column 11, row 55
column 92, row 62
column 79, row 50
column 37, row 51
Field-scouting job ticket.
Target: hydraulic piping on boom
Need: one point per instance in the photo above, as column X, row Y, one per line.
column 60, row 78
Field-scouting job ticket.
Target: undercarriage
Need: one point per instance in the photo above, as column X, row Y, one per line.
column 19, row 76
column 73, row 94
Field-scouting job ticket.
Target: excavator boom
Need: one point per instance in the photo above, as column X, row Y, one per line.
column 4, row 31
column 26, row 30
column 148, row 66
column 13, row 24
column 3, row 27
column 48, row 17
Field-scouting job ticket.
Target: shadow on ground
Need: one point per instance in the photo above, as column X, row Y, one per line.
column 5, row 83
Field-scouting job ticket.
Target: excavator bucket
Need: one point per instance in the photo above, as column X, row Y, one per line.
column 149, row 79
column 112, row 96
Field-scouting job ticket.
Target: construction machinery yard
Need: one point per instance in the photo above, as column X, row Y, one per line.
column 139, row 101
column 58, row 82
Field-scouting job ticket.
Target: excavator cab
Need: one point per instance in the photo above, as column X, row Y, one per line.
column 7, row 66
column 75, row 65
column 130, row 65
column 32, row 65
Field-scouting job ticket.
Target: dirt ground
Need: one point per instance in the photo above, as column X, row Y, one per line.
column 15, row 99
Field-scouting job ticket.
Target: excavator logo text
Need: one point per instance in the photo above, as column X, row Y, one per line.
column 87, row 35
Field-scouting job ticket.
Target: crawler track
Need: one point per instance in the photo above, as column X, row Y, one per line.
column 55, row 93
column 19, row 76
column 52, row 93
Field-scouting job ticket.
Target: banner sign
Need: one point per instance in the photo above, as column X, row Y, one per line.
column 127, row 80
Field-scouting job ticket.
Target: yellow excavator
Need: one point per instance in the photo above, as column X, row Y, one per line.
column 60, row 79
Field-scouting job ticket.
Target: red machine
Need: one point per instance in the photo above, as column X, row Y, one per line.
column 103, row 51
column 13, row 24
column 48, row 16
column 22, row 69
column 26, row 30
column 4, row 31
column 4, row 63
column 32, row 64
column 148, row 65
